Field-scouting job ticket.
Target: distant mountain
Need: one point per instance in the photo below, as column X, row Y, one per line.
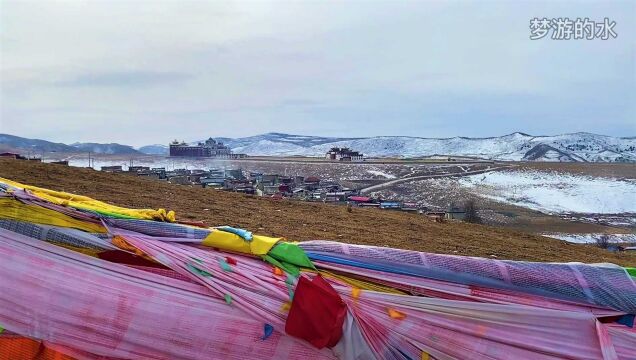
column 545, row 152
column 155, row 149
column 24, row 145
column 517, row 146
column 273, row 137
column 274, row 143
column 16, row 143
column 109, row 149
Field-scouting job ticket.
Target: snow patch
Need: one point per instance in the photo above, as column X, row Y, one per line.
column 553, row 192
column 381, row 173
column 591, row 238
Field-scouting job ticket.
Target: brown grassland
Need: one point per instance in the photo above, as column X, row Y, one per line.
column 302, row 221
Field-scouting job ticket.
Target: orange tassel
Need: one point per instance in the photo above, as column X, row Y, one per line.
column 396, row 314
column 285, row 307
column 355, row 293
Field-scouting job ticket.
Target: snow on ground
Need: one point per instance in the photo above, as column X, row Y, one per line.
column 579, row 146
column 267, row 147
column 554, row 192
column 381, row 173
column 591, row 238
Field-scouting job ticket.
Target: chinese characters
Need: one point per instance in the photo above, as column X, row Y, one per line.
column 567, row 29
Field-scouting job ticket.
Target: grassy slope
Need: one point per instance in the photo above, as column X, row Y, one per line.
column 301, row 221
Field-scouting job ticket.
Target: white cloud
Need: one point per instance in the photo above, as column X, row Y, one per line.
column 129, row 71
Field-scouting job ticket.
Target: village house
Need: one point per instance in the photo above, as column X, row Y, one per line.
column 359, row 199
column 213, row 182
column 60, row 162
column 198, row 174
column 255, row 176
column 393, row 205
column 180, row 180
column 270, row 179
column 248, row 189
column 181, row 171
column 114, row 168
column 135, row 169
column 312, row 183
column 409, row 206
column 437, row 216
column 369, row 204
column 266, row 190
column 455, row 214
column 343, row 154
column 301, row 193
column 8, row 155
column 234, row 174
column 161, row 172
column 216, row 173
column 233, row 184
column 337, row 196
column 148, row 174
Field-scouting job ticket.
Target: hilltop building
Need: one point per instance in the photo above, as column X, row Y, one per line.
column 343, row 154
column 209, row 148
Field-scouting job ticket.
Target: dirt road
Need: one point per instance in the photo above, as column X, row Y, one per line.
column 436, row 176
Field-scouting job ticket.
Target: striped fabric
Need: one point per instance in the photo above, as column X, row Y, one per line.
column 67, row 236
column 607, row 286
column 160, row 229
column 189, row 301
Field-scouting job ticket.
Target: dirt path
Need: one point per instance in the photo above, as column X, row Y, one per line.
column 421, row 177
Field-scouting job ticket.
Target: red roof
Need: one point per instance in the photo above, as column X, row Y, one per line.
column 312, row 179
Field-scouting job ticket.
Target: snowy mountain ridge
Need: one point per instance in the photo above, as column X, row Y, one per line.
column 516, row 146
column 580, row 147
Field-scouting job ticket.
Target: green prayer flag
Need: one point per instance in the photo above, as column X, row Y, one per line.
column 225, row 266
column 196, row 270
column 288, row 268
column 289, row 257
column 292, row 254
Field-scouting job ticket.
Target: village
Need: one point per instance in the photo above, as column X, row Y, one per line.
column 276, row 186
column 279, row 186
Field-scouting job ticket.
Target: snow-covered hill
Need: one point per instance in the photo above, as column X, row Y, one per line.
column 516, row 146
column 303, row 141
column 154, row 149
column 555, row 192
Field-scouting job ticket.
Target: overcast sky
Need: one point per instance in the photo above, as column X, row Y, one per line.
column 143, row 72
